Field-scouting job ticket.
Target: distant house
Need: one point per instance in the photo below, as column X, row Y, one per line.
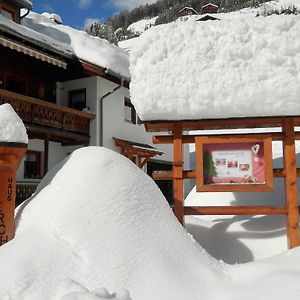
column 187, row 11
column 209, row 8
column 207, row 17
column 70, row 90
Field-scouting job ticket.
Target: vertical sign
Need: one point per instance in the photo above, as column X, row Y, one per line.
column 11, row 155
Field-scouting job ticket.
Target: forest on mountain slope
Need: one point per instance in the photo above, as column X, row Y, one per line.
column 114, row 28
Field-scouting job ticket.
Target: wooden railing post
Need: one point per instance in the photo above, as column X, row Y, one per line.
column 178, row 173
column 291, row 189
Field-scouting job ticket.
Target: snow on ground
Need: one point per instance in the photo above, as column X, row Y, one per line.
column 98, row 221
column 12, row 128
column 102, row 222
column 91, row 49
column 240, row 239
column 142, row 25
column 183, row 71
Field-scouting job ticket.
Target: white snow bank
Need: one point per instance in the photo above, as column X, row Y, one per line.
column 240, row 239
column 91, row 49
column 98, row 220
column 12, row 128
column 101, row 221
column 220, row 69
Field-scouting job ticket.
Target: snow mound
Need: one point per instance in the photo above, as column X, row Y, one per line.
column 12, row 128
column 220, row 69
column 98, row 220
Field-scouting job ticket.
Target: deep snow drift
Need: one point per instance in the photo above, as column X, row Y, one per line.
column 102, row 222
column 12, row 128
column 98, row 221
column 198, row 70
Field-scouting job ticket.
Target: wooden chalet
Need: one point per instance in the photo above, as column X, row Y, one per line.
column 187, row 11
column 209, row 8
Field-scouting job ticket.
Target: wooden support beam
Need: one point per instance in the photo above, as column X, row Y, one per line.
column 142, row 163
column 291, row 190
column 235, row 210
column 46, row 155
column 190, row 139
column 190, row 174
column 178, row 173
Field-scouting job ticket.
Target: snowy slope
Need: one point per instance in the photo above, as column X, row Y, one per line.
column 142, row 25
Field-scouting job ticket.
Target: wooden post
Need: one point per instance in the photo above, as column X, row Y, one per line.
column 10, row 158
column 46, row 155
column 178, row 173
column 291, row 190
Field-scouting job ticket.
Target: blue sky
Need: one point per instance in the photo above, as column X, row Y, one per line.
column 77, row 13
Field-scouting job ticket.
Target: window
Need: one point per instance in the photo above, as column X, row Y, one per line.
column 32, row 164
column 129, row 112
column 15, row 83
column 77, row 99
column 7, row 12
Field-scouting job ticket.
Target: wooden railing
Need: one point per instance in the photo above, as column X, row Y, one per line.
column 38, row 112
column 24, row 191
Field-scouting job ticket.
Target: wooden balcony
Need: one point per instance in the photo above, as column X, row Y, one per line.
column 45, row 120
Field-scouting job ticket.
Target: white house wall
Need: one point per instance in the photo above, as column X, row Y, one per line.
column 56, row 154
column 114, row 124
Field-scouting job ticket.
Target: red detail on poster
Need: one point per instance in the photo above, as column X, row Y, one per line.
column 234, row 163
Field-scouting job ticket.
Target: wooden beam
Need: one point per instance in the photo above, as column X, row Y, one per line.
column 231, row 123
column 190, row 174
column 141, row 164
column 46, row 155
column 291, row 190
column 190, row 139
column 178, row 173
column 235, row 210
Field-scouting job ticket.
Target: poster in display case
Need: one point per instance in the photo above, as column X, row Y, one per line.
column 234, row 164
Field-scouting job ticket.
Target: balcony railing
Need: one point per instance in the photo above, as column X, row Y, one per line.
column 38, row 112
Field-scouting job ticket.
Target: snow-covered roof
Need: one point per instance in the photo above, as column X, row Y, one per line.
column 210, row 4
column 23, row 3
column 189, row 8
column 90, row 49
column 34, row 37
column 232, row 68
column 43, row 31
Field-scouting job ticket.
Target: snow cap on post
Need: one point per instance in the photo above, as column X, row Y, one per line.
column 12, row 129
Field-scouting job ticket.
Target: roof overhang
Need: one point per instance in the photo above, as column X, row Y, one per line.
column 130, row 149
column 18, row 46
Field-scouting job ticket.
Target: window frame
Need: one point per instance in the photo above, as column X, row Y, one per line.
column 38, row 166
column 134, row 117
column 74, row 93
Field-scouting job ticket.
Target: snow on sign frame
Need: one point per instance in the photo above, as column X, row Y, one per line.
column 234, row 164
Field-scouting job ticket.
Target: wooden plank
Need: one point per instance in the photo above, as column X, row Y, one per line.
column 231, row 123
column 291, row 189
column 178, row 174
column 190, row 174
column 190, row 139
column 235, row 210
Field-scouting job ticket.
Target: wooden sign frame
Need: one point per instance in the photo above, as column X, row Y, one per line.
column 261, row 146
